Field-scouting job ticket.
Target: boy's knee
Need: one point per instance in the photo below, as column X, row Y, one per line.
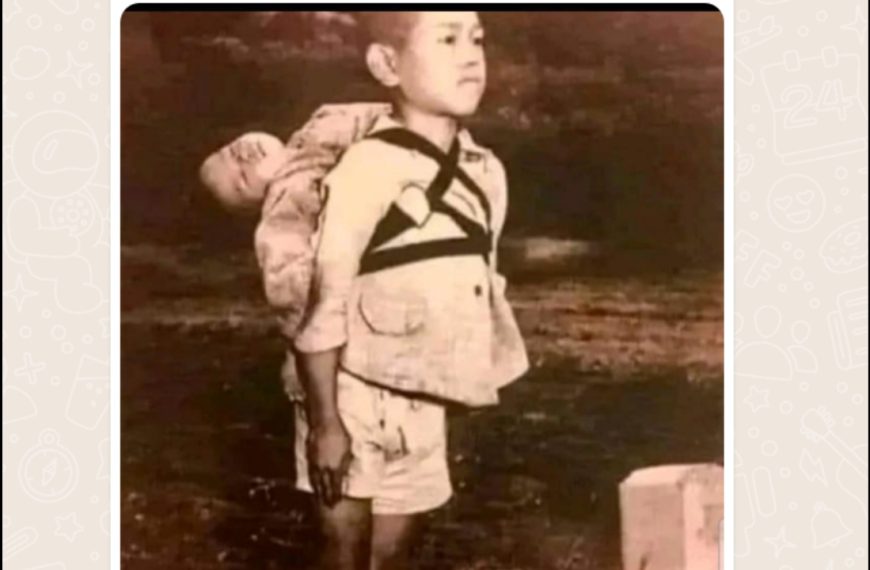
column 345, row 531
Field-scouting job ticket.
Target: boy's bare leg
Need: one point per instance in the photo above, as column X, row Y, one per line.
column 392, row 537
column 346, row 528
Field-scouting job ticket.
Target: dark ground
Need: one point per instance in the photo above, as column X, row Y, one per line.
column 626, row 373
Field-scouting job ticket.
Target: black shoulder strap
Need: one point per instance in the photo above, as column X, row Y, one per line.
column 412, row 141
column 396, row 221
column 478, row 240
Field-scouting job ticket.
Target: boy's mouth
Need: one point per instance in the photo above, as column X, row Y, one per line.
column 474, row 84
column 470, row 81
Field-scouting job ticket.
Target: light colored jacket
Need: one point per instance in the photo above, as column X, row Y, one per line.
column 439, row 326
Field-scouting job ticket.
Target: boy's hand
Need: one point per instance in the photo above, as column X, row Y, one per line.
column 329, row 456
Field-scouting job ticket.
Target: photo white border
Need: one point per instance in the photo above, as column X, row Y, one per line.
column 118, row 7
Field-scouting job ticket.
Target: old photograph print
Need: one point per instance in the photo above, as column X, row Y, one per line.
column 609, row 123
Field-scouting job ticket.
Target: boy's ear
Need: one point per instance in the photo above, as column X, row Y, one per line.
column 381, row 61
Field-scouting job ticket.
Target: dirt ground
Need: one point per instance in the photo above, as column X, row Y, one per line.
column 626, row 372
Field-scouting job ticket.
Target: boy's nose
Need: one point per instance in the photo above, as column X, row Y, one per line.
column 471, row 61
column 471, row 54
column 474, row 59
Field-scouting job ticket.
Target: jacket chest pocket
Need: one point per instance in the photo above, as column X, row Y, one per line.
column 393, row 313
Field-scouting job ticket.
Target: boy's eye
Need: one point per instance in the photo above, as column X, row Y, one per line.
column 448, row 40
column 478, row 40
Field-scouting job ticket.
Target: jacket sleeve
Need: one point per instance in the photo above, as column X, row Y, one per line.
column 358, row 193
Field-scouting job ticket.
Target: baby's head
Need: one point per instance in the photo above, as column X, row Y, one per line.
column 238, row 173
column 433, row 61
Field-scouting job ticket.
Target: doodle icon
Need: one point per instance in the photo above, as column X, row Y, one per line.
column 816, row 104
column 845, row 249
column 17, row 405
column 848, row 326
column 27, row 235
column 48, row 471
column 767, row 30
column 67, row 7
column 813, row 468
column 745, row 245
column 19, row 541
column 802, row 357
column 765, row 492
column 89, row 399
column 762, row 269
column 29, row 63
column 763, row 359
column 827, row 526
column 852, row 481
column 817, row 425
column 56, row 154
column 796, row 203
column 745, row 162
column 76, row 213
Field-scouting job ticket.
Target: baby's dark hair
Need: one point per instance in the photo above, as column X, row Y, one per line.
column 389, row 28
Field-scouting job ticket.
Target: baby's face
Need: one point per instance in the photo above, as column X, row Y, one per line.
column 441, row 67
column 239, row 172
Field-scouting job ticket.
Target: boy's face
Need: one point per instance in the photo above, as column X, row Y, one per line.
column 440, row 68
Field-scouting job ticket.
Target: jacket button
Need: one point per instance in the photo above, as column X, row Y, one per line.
column 478, row 290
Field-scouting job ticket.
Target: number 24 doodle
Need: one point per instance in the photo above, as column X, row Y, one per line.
column 816, row 104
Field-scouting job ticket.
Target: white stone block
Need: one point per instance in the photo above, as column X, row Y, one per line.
column 671, row 517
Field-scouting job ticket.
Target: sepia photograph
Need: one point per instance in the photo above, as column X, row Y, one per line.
column 423, row 290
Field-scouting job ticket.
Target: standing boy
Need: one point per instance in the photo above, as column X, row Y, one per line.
column 408, row 311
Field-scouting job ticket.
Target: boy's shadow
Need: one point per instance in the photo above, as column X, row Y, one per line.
column 269, row 524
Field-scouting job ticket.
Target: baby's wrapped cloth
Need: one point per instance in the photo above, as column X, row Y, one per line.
column 285, row 238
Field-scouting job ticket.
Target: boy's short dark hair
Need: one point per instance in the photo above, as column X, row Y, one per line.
column 389, row 28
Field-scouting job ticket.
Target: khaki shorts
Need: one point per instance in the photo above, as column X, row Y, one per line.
column 399, row 446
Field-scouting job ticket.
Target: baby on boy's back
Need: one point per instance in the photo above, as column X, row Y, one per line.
column 257, row 170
